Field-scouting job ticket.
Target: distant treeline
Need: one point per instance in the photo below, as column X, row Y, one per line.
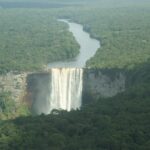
column 31, row 4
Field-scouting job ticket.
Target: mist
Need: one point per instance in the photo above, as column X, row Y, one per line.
column 69, row 3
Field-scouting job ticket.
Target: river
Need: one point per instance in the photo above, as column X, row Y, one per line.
column 88, row 47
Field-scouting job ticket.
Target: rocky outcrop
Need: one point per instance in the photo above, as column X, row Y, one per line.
column 14, row 83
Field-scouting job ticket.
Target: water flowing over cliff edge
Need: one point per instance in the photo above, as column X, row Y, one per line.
column 66, row 88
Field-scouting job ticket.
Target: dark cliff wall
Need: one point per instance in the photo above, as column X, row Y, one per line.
column 102, row 83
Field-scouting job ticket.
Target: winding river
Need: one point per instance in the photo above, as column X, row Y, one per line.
column 88, row 47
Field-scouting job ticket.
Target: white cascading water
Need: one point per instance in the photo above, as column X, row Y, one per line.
column 66, row 88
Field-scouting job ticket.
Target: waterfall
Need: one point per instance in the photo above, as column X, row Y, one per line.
column 63, row 88
column 66, row 88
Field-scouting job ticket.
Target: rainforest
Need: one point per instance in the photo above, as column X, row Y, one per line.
column 75, row 75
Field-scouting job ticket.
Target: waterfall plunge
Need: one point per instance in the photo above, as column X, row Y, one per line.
column 66, row 88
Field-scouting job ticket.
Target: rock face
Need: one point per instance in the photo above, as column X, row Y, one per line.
column 102, row 83
column 14, row 83
column 35, row 88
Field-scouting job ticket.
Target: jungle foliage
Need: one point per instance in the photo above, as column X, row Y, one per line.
column 9, row 108
column 29, row 39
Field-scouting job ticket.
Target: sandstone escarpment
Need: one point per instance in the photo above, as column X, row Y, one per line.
column 15, row 83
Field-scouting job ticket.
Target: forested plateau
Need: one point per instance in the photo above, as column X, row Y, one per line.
column 32, row 38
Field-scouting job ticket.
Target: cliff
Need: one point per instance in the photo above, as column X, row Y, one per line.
column 35, row 88
column 96, row 83
column 102, row 83
column 14, row 83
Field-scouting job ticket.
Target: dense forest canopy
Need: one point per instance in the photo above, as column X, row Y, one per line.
column 30, row 39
